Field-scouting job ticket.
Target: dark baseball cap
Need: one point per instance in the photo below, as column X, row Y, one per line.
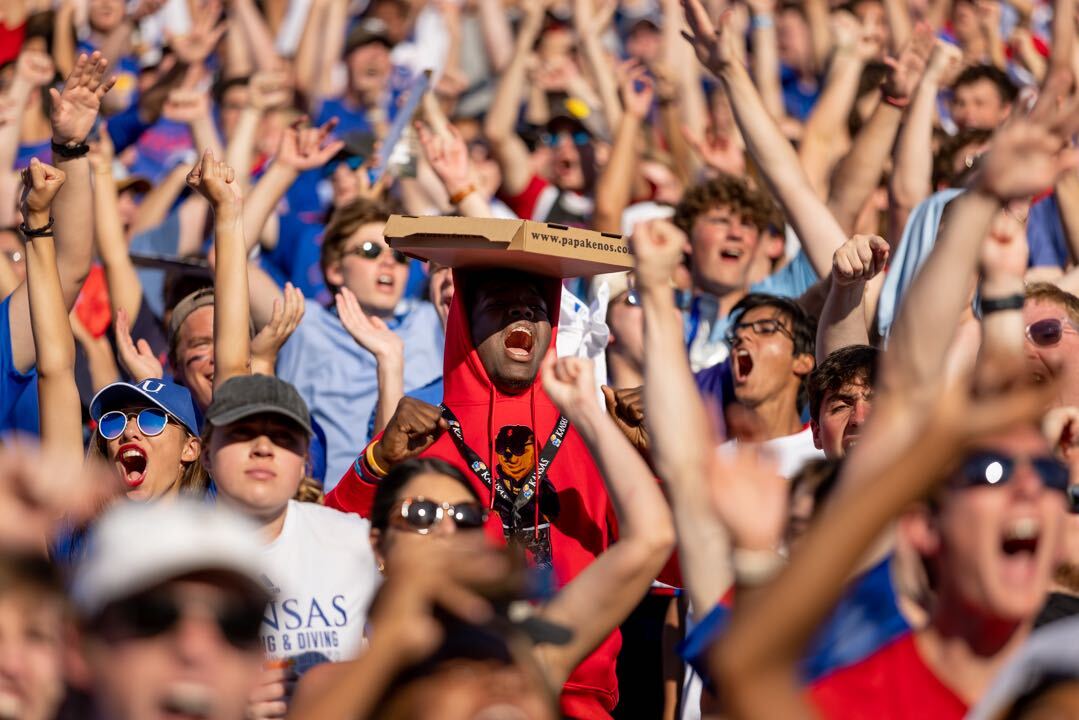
column 189, row 304
column 243, row 396
column 367, row 31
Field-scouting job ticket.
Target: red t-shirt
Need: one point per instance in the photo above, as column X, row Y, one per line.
column 893, row 683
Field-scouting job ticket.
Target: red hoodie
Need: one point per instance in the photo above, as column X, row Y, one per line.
column 575, row 516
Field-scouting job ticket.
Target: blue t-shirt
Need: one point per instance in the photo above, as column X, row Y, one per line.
column 431, row 393
column 799, row 96
column 1045, row 234
column 15, row 410
column 337, row 378
column 866, row 619
column 42, row 151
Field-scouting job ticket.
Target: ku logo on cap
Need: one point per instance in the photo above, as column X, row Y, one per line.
column 152, row 386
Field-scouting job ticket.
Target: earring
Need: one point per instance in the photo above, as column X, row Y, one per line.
column 381, row 567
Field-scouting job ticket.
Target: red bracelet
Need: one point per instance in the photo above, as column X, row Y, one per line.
column 895, row 102
column 462, row 194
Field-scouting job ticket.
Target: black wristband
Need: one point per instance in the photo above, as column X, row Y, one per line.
column 1008, row 302
column 70, row 152
column 29, row 232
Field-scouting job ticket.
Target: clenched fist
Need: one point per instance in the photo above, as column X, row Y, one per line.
column 414, row 427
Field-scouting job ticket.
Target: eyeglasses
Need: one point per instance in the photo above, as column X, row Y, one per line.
column 580, row 138
column 989, row 468
column 762, row 328
column 151, row 422
column 1048, row 332
column 422, row 515
column 153, row 614
column 373, row 250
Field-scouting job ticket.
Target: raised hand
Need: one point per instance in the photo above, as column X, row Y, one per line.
column 268, row 701
column 186, row 105
column 269, row 89
column 286, row 317
column 657, row 247
column 945, row 62
column 146, row 8
column 414, row 427
column 206, row 32
column 75, row 109
column 905, row 72
column 35, row 68
column 102, row 152
column 719, row 151
column 304, row 148
column 714, row 46
column 570, row 382
column 448, row 156
column 637, row 88
column 1031, row 150
column 137, row 359
column 626, row 408
column 859, row 260
column 852, row 36
column 41, row 182
column 369, row 331
column 1005, row 252
column 215, row 181
column 750, row 496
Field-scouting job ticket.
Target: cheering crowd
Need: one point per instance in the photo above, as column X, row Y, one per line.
column 811, row 456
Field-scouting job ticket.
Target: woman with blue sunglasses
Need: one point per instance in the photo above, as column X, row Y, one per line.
column 149, row 432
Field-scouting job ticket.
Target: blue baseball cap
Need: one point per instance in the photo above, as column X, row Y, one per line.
column 172, row 398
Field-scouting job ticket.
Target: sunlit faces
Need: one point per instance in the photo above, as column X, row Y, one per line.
column 567, row 170
column 842, row 416
column 234, row 100
column 626, row 322
column 1058, row 361
column 106, row 15
column 151, row 466
column 377, row 283
column 398, row 538
column 965, row 23
column 511, row 329
column 368, row 69
column 763, row 362
column 870, row 14
column 644, row 43
column 793, row 38
column 994, row 546
column 724, row 243
column 979, row 105
column 188, row 669
column 257, row 463
column 31, row 655
column 195, row 355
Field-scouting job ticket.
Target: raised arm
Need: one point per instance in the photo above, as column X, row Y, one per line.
column 58, row 396
column 245, row 17
column 815, row 226
column 373, row 335
column 74, row 112
column 266, row 90
column 447, row 154
column 125, row 289
column 843, row 319
column 216, row 181
column 858, row 173
column 765, row 45
column 509, row 149
column 33, row 70
column 615, row 184
column 680, row 438
column 591, row 19
column 497, row 34
column 595, row 602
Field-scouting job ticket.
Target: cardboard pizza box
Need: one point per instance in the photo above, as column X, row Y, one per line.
column 536, row 247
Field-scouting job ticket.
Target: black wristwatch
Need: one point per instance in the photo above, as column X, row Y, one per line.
column 1008, row 302
column 70, row 152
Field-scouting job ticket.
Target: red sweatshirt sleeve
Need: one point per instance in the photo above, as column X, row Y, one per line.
column 356, row 490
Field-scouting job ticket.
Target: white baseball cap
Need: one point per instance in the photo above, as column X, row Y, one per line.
column 135, row 546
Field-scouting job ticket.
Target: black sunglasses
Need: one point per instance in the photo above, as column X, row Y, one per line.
column 421, row 515
column 1048, row 332
column 989, row 468
column 759, row 327
column 373, row 250
column 153, row 614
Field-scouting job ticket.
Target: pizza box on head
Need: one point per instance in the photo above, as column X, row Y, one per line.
column 535, row 247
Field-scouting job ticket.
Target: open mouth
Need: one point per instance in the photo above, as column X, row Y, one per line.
column 132, row 461
column 519, row 341
column 385, row 280
column 1021, row 537
column 187, row 700
column 742, row 365
column 731, row 254
column 11, row 705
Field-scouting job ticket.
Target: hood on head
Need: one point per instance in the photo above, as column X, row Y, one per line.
column 464, row 376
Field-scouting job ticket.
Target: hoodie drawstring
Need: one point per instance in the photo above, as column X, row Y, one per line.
column 491, row 443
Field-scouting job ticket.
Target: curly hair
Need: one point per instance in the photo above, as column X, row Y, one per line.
column 755, row 206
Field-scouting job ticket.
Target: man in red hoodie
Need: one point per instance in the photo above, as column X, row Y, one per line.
column 548, row 495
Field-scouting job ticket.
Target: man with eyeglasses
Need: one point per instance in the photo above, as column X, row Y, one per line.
column 335, row 375
column 771, row 341
column 171, row 601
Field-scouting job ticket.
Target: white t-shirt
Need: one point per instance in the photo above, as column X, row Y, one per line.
column 790, row 451
column 321, row 575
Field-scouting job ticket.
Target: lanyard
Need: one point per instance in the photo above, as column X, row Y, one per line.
column 479, row 467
